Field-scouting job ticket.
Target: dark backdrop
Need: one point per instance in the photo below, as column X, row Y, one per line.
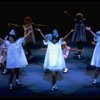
column 50, row 13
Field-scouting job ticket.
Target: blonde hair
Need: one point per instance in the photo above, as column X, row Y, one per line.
column 79, row 14
column 64, row 43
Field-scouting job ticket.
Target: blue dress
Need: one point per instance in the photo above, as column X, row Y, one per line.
column 79, row 34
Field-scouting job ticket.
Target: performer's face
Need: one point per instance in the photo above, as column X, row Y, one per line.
column 63, row 46
column 11, row 39
column 4, row 53
column 28, row 23
column 54, row 41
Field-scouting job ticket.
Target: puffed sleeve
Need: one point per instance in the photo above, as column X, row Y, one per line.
column 21, row 40
column 6, row 42
column 61, row 41
column 45, row 42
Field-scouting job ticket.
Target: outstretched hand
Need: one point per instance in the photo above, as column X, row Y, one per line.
column 9, row 24
column 72, row 30
column 12, row 24
column 37, row 29
column 88, row 28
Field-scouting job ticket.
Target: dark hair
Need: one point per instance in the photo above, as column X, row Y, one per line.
column 56, row 38
column 13, row 36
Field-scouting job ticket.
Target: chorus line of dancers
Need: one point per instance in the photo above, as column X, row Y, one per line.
column 16, row 51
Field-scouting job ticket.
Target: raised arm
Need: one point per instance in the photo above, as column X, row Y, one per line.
column 38, row 24
column 12, row 24
column 68, row 34
column 75, row 49
column 41, row 33
column 89, row 29
column 29, row 32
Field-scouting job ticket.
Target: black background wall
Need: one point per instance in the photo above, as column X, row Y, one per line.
column 50, row 13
